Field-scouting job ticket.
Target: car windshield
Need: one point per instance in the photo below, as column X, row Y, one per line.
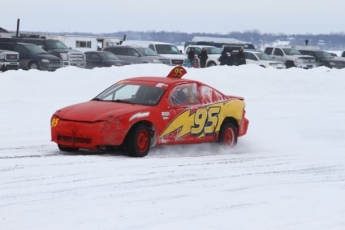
column 213, row 50
column 108, row 56
column 167, row 49
column 323, row 54
column 263, row 56
column 147, row 52
column 56, row 45
column 289, row 51
column 132, row 94
column 33, row 49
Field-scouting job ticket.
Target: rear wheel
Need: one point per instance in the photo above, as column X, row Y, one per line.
column 67, row 149
column 138, row 141
column 228, row 134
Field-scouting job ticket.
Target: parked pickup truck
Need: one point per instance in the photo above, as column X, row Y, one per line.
column 291, row 57
column 57, row 48
column 8, row 60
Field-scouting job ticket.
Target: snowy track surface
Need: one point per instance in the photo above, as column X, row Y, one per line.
column 287, row 173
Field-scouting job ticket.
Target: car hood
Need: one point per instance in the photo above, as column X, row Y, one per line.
column 303, row 56
column 92, row 111
column 46, row 56
column 174, row 56
column 63, row 50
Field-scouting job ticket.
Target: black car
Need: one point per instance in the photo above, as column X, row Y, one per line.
column 324, row 58
column 102, row 59
column 32, row 56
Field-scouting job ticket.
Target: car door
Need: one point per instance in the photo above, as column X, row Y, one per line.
column 251, row 58
column 133, row 56
column 88, row 60
column 120, row 52
column 278, row 54
column 180, row 120
column 24, row 56
column 95, row 60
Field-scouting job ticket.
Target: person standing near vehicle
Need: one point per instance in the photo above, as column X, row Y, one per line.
column 203, row 57
column 232, row 59
column 223, row 59
column 240, row 57
column 191, row 56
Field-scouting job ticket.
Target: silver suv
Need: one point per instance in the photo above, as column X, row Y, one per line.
column 137, row 54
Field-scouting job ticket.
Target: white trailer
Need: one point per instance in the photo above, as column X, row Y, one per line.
column 86, row 43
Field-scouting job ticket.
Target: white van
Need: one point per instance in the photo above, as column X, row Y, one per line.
column 164, row 49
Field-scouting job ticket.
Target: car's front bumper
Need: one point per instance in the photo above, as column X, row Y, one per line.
column 9, row 66
column 87, row 135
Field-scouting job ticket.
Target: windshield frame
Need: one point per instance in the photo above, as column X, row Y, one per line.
column 213, row 50
column 108, row 56
column 34, row 49
column 132, row 93
column 147, row 52
column 319, row 54
column 263, row 56
column 161, row 49
column 291, row 51
column 55, row 44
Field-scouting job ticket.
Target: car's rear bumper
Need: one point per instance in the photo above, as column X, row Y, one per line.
column 243, row 125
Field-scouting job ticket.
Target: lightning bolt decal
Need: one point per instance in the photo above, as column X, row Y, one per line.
column 208, row 119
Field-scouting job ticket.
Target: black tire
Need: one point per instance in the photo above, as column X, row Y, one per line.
column 67, row 149
column 228, row 134
column 211, row 63
column 33, row 65
column 289, row 64
column 138, row 141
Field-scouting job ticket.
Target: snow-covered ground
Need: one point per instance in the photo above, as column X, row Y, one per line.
column 287, row 173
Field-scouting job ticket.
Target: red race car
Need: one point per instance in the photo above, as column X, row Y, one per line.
column 138, row 113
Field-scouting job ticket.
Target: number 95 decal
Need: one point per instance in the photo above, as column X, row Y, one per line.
column 205, row 120
column 202, row 121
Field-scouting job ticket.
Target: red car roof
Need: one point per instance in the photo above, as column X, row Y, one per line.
column 161, row 79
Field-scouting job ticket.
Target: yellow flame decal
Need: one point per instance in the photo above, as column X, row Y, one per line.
column 205, row 120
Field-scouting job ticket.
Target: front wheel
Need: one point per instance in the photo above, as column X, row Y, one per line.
column 211, row 63
column 138, row 141
column 67, row 149
column 228, row 134
column 33, row 65
column 289, row 64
